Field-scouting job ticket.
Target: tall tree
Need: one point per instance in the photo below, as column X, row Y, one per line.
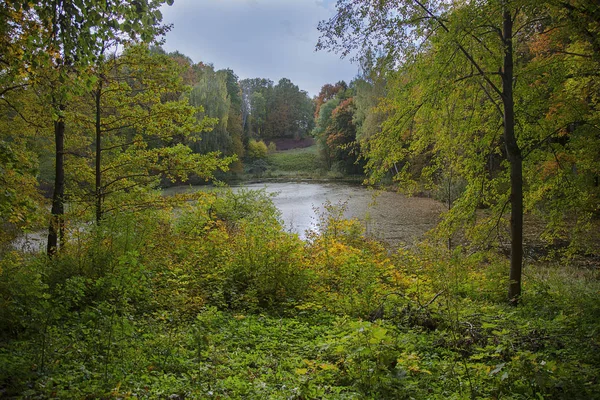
column 290, row 111
column 137, row 130
column 71, row 34
column 212, row 94
column 320, row 132
column 255, row 110
column 234, row 117
column 485, row 40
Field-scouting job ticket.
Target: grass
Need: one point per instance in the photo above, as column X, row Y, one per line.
column 301, row 164
column 296, row 160
column 543, row 349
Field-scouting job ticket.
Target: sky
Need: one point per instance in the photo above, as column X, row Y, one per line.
column 271, row 39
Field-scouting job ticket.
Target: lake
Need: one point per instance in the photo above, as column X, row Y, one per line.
column 393, row 217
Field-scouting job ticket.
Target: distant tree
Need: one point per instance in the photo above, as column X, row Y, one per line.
column 234, row 123
column 211, row 93
column 341, row 137
column 335, row 128
column 254, row 116
column 320, row 130
column 290, row 111
column 327, row 92
column 258, row 104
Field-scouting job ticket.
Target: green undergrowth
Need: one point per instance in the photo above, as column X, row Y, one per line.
column 220, row 302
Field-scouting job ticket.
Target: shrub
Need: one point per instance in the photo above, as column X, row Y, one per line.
column 238, row 255
column 256, row 150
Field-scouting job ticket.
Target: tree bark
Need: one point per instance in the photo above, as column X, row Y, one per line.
column 57, row 224
column 98, row 191
column 516, row 163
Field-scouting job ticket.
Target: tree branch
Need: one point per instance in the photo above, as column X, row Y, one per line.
column 8, row 89
column 472, row 75
column 463, row 50
column 21, row 115
column 123, row 178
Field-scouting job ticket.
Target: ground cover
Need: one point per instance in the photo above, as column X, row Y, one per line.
column 221, row 302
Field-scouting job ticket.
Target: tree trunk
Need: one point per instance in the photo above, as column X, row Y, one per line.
column 57, row 224
column 516, row 164
column 98, row 191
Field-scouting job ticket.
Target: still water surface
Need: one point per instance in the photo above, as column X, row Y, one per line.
column 393, row 217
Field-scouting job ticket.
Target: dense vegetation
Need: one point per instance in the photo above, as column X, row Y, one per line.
column 221, row 301
column 492, row 107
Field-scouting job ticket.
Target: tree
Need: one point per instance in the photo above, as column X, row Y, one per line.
column 258, row 104
column 341, row 137
column 369, row 88
column 290, row 111
column 327, row 92
column 253, row 117
column 234, row 123
column 335, row 129
column 69, row 36
column 567, row 158
column 211, row 93
column 137, row 131
column 485, row 42
column 320, row 130
column 21, row 203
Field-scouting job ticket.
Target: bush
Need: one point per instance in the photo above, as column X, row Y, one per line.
column 241, row 257
column 217, row 300
column 256, row 150
column 23, row 294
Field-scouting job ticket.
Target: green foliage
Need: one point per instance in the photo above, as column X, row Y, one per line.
column 281, row 110
column 290, row 111
column 336, row 129
column 23, row 296
column 211, row 93
column 454, row 102
column 367, row 117
column 20, row 200
column 256, row 150
column 134, row 133
column 217, row 300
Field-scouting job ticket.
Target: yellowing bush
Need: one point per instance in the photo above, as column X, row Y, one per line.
column 256, row 150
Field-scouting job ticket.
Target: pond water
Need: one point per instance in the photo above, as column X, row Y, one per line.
column 393, row 217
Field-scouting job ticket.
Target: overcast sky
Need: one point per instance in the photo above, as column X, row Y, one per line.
column 258, row 39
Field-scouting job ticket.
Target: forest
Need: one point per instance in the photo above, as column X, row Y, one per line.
column 491, row 108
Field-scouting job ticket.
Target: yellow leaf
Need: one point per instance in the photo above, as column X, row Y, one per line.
column 326, row 366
